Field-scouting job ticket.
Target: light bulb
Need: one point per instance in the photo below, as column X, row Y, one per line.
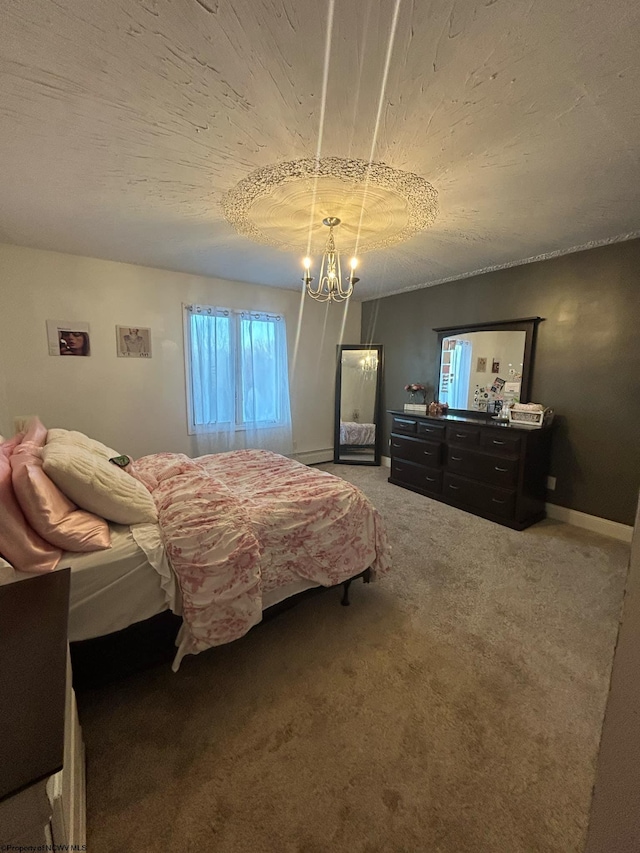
column 354, row 263
column 307, row 263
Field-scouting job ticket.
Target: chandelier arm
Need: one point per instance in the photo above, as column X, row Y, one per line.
column 316, row 292
column 318, row 296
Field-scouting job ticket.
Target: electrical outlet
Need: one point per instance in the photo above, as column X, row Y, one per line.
column 20, row 422
column 551, row 483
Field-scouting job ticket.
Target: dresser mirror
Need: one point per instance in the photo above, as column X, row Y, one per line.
column 358, row 429
column 484, row 367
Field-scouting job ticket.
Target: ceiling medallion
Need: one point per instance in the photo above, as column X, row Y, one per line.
column 283, row 205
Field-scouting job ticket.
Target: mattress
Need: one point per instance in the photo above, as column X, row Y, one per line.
column 112, row 589
column 130, row 582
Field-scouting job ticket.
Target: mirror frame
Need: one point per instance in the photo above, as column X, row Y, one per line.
column 529, row 325
column 377, row 408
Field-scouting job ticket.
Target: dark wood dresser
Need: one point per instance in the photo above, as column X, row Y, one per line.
column 492, row 469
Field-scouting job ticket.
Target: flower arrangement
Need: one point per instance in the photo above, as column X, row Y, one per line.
column 416, row 388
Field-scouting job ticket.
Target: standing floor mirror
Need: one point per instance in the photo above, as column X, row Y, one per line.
column 358, row 429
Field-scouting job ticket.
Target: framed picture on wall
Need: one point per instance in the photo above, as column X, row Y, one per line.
column 68, row 337
column 481, row 365
column 495, row 367
column 133, row 342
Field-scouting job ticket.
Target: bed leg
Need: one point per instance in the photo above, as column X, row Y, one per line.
column 366, row 578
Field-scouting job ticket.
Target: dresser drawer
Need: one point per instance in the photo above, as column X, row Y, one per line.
column 493, row 470
column 463, row 435
column 477, row 495
column 433, row 431
column 408, row 473
column 427, row 453
column 404, row 425
column 500, row 441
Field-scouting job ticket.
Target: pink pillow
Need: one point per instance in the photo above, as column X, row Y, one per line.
column 36, row 433
column 19, row 544
column 49, row 512
column 10, row 444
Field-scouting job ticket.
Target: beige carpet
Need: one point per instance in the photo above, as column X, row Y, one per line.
column 455, row 706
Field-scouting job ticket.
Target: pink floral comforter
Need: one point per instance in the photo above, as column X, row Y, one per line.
column 237, row 524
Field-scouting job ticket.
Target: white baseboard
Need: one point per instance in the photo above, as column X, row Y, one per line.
column 385, row 461
column 314, row 457
column 624, row 532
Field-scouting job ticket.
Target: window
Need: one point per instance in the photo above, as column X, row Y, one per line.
column 236, row 369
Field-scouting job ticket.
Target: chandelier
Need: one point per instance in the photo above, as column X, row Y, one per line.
column 369, row 364
column 330, row 286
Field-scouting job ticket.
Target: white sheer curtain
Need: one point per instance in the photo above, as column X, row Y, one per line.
column 210, row 351
column 238, row 380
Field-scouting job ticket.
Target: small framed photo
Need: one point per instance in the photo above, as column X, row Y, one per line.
column 481, row 365
column 495, row 367
column 68, row 337
column 133, row 342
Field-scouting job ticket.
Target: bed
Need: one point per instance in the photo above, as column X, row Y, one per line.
column 356, row 434
column 236, row 533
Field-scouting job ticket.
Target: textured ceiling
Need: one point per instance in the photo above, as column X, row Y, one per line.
column 124, row 123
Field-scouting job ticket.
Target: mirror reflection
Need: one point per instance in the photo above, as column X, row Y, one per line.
column 482, row 371
column 357, row 393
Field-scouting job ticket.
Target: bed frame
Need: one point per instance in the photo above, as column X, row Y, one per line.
column 103, row 660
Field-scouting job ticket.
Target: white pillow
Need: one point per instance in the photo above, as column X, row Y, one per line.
column 79, row 439
column 97, row 485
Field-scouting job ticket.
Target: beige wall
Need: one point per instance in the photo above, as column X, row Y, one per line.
column 138, row 406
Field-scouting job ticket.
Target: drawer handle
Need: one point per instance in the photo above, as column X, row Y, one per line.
column 502, row 470
column 461, row 435
column 427, row 453
column 498, row 501
column 455, row 488
column 500, row 443
column 393, row 444
column 457, row 458
column 430, row 479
